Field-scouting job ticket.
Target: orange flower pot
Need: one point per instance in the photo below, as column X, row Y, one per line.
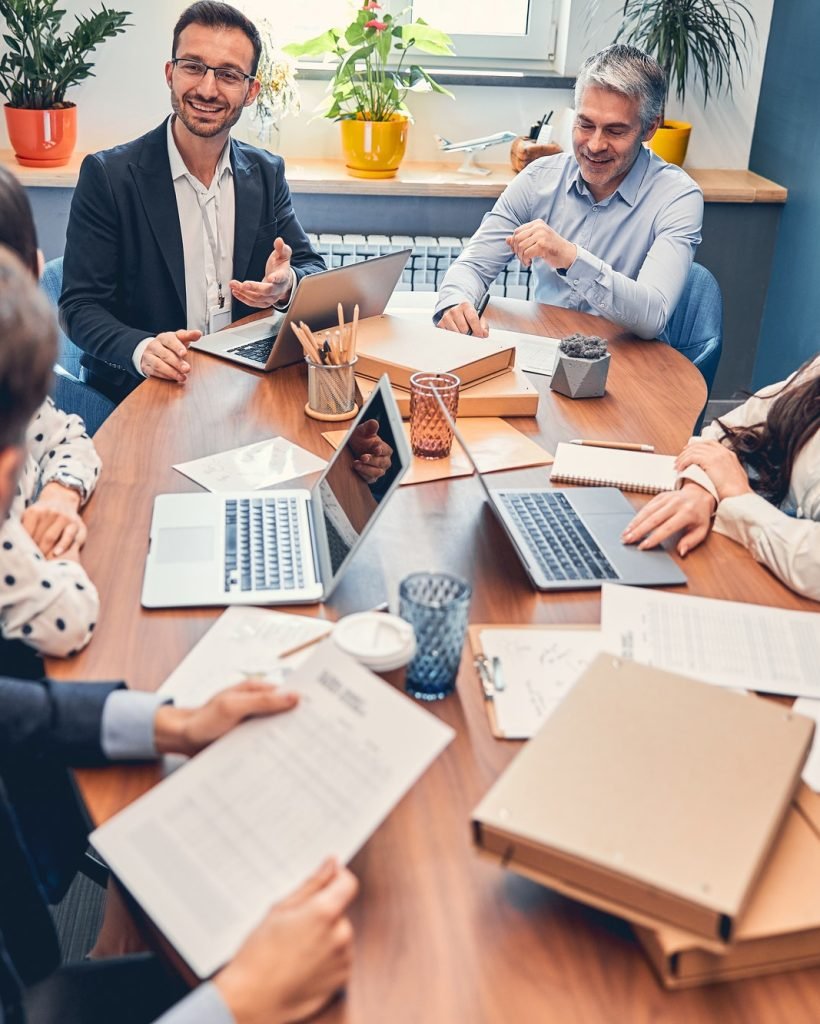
column 374, row 149
column 42, row 138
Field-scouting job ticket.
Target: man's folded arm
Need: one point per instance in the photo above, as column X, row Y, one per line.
column 93, row 242
column 644, row 306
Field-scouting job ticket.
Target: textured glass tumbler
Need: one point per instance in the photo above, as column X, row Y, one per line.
column 331, row 389
column 431, row 436
column 436, row 606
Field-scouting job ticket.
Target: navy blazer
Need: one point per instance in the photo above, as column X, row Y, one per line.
column 124, row 271
column 43, row 830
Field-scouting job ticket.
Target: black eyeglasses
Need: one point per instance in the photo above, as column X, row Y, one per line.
column 197, row 69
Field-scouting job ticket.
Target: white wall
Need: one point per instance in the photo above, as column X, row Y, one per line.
column 128, row 96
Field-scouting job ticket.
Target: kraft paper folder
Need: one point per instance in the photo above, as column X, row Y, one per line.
column 780, row 928
column 474, row 636
column 509, row 394
column 401, row 347
column 651, row 796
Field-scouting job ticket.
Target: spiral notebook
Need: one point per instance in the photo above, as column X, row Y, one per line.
column 611, row 467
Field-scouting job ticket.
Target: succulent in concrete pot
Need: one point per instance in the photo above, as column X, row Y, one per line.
column 581, row 367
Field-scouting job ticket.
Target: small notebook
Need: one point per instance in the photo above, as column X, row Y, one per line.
column 611, row 467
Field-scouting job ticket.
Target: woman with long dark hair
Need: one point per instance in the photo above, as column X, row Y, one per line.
column 754, row 475
column 47, row 602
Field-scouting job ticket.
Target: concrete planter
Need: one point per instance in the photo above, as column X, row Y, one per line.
column 580, row 378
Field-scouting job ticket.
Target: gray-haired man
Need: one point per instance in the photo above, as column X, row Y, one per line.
column 609, row 228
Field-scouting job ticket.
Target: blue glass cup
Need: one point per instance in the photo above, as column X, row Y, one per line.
column 436, row 606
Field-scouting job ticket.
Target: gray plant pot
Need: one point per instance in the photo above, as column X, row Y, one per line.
column 580, row 378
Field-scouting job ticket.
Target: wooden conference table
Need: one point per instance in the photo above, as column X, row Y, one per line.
column 441, row 936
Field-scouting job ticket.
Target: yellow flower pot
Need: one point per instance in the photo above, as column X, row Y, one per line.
column 671, row 140
column 374, row 149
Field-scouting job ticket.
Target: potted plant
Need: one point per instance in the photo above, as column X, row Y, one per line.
column 278, row 93
column 581, row 367
column 702, row 37
column 37, row 69
column 371, row 81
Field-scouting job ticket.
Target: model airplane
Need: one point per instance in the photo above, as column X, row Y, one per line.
column 473, row 146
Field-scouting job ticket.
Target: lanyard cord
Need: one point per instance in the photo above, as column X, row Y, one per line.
column 214, row 243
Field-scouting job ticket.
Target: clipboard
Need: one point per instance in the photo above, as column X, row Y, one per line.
column 482, row 664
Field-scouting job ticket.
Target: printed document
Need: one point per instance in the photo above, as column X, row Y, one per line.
column 243, row 644
column 539, row 669
column 532, row 352
column 771, row 650
column 211, row 848
column 252, row 467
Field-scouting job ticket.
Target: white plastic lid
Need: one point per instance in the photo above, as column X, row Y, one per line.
column 379, row 641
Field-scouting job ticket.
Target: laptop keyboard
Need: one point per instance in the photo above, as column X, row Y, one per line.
column 561, row 543
column 263, row 547
column 258, row 351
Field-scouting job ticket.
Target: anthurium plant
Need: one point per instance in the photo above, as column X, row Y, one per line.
column 372, row 77
column 40, row 64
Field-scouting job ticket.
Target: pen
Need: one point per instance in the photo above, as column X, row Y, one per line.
column 480, row 308
column 485, row 675
column 620, row 445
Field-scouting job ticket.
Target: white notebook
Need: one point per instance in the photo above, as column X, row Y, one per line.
column 612, row 467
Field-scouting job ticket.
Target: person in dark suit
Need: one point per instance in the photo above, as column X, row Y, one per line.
column 300, row 954
column 184, row 230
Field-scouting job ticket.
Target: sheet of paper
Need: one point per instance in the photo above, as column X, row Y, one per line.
column 212, row 847
column 724, row 642
column 532, row 352
column 811, row 769
column 253, row 466
column 494, row 443
column 540, row 667
column 243, row 643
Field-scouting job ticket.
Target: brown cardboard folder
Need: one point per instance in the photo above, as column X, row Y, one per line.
column 780, row 928
column 400, row 347
column 509, row 394
column 649, row 795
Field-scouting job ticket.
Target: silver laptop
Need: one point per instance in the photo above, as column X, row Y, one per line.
column 571, row 539
column 270, row 343
column 274, row 547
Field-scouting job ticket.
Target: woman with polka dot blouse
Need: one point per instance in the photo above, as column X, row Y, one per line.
column 46, row 597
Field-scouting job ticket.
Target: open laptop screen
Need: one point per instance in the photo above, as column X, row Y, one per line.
column 360, row 476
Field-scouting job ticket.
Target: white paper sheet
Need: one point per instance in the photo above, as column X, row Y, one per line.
column 540, row 667
column 243, row 643
column 811, row 769
column 212, row 847
column 252, row 467
column 724, row 642
column 532, row 352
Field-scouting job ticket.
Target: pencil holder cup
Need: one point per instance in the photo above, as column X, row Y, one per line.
column 331, row 390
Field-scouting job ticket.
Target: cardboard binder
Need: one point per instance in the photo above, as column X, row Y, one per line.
column 649, row 795
column 400, row 347
column 780, row 928
column 509, row 394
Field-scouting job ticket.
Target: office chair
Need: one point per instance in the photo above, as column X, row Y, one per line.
column 70, row 393
column 695, row 328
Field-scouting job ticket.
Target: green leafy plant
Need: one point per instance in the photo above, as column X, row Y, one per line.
column 40, row 63
column 369, row 83
column 703, row 37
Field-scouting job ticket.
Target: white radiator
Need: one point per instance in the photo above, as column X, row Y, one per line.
column 427, row 265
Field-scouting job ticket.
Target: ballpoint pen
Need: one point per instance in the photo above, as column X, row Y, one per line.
column 625, row 446
column 480, row 308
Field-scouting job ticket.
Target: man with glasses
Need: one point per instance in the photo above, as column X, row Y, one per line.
column 184, row 230
column 609, row 228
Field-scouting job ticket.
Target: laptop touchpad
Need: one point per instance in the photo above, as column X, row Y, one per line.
column 185, row 544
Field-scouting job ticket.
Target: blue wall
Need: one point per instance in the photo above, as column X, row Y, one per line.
column 786, row 148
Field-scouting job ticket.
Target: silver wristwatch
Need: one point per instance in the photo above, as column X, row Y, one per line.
column 73, row 483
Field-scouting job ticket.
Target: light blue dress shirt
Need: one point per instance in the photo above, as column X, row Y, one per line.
column 634, row 248
column 128, row 734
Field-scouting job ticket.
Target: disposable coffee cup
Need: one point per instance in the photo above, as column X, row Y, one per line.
column 383, row 643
